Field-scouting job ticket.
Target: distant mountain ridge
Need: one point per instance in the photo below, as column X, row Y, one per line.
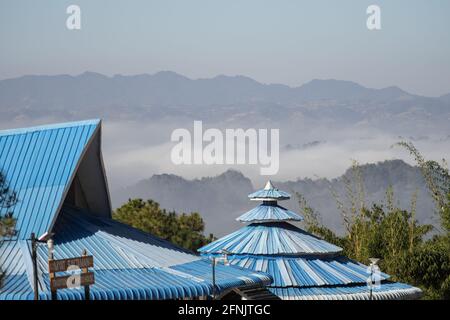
column 222, row 99
column 321, row 118
column 221, row 199
column 445, row 97
column 170, row 88
column 152, row 88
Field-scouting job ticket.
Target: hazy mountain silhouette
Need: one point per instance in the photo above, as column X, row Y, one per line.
column 91, row 92
column 221, row 199
column 233, row 100
column 445, row 97
column 324, row 118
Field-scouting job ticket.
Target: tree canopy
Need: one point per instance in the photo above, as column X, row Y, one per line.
column 184, row 230
column 392, row 234
column 8, row 199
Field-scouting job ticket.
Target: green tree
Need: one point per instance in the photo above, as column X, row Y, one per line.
column 184, row 230
column 431, row 262
column 392, row 234
column 427, row 266
column 8, row 199
column 437, row 178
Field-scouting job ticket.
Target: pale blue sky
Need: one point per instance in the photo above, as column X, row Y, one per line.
column 282, row 41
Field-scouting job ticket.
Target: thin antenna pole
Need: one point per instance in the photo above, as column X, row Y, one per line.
column 214, row 277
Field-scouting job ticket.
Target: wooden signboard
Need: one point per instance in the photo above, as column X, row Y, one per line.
column 86, row 278
column 63, row 264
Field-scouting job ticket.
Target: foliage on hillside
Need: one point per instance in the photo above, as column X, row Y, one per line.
column 7, row 223
column 184, row 230
column 392, row 234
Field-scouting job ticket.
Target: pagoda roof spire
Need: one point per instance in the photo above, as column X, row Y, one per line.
column 269, row 193
column 269, row 185
column 269, row 210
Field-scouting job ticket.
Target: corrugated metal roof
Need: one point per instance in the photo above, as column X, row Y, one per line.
column 39, row 164
column 269, row 212
column 141, row 267
column 302, row 265
column 271, row 238
column 77, row 229
column 139, row 284
column 305, row 272
column 15, row 261
column 386, row 291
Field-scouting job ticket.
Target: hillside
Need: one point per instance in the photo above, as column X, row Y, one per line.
column 222, row 198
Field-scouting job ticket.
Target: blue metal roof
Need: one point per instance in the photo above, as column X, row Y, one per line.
column 39, row 164
column 269, row 211
column 302, row 265
column 386, row 291
column 128, row 264
column 271, row 238
column 269, row 193
column 306, row 271
column 77, row 229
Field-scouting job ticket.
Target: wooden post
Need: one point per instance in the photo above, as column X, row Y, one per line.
column 87, row 291
column 51, row 274
column 52, row 290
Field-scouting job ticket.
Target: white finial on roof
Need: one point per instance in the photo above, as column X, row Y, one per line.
column 269, row 185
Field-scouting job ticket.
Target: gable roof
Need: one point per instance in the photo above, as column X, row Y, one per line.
column 40, row 164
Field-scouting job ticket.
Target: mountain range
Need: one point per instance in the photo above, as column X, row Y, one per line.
column 167, row 93
column 322, row 123
column 222, row 198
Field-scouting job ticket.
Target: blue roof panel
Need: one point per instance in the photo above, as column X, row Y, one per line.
column 269, row 212
column 385, row 291
column 128, row 263
column 306, row 271
column 271, row 194
column 271, row 238
column 39, row 164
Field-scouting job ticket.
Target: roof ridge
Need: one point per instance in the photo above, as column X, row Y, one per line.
column 49, row 127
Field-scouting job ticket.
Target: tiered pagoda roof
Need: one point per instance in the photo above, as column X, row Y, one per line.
column 302, row 265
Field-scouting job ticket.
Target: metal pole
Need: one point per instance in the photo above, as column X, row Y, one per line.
column 34, row 260
column 373, row 265
column 50, row 246
column 371, row 281
column 214, row 277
